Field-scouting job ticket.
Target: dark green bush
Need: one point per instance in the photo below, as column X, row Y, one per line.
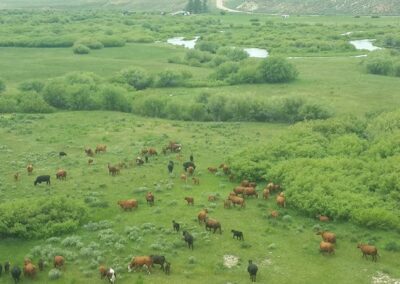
column 136, row 77
column 32, row 85
column 208, row 46
column 225, row 70
column 80, row 49
column 379, row 65
column 114, row 98
column 169, row 78
column 42, row 218
column 277, row 70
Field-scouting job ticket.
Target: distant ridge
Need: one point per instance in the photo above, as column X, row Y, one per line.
column 318, row 7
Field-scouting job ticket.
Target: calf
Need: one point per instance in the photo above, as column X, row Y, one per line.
column 212, row 170
column 90, row 161
column 170, row 166
column 252, row 270
column 196, row 180
column 190, row 170
column 368, row 250
column 58, row 261
column 238, row 235
column 188, row 239
column 186, row 166
column 103, row 271
column 29, row 168
column 89, row 152
column 111, row 275
column 16, row 273
column 326, row 247
column 112, row 170
column 189, row 200
column 176, row 226
column 266, row 193
column 323, row 218
column 281, row 200
column 150, row 198
column 101, row 148
column 158, row 259
column 212, row 198
column 201, row 217
column 167, row 268
column 7, row 267
column 61, row 175
column 41, row 179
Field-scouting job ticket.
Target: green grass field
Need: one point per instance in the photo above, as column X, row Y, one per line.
column 286, row 250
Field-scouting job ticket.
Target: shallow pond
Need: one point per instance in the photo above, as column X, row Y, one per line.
column 364, row 44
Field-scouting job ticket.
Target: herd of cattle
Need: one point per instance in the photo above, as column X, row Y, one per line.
column 237, row 196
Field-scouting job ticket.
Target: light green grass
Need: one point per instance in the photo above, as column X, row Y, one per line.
column 295, row 258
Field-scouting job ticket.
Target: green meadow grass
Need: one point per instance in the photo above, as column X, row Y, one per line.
column 286, row 250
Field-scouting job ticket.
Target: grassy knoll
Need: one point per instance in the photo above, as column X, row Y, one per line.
column 286, row 250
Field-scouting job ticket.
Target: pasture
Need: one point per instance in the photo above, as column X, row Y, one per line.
column 286, row 249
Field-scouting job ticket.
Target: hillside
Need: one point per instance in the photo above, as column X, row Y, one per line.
column 139, row 5
column 320, row 7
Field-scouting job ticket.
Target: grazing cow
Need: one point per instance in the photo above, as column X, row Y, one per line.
column 158, row 259
column 29, row 269
column 238, row 235
column 190, row 170
column 213, row 224
column 150, row 198
column 170, row 166
column 128, row 204
column 212, row 170
column 167, row 268
column 239, row 190
column 152, row 152
column 62, row 154
column 112, row 170
column 196, row 180
column 90, row 161
column 101, row 148
column 103, row 271
column 174, row 147
column 29, row 168
column 273, row 187
column 183, row 177
column 201, row 217
column 140, row 261
column 41, row 264
column 58, row 261
column 189, row 200
column 16, row 274
column 144, row 151
column 237, row 200
column 326, row 247
column 111, row 275
column 322, row 218
column 186, row 165
column 139, row 161
column 281, row 200
column 250, row 191
column 89, row 152
column 41, row 179
column 266, row 193
column 369, row 250
column 225, row 169
column 61, row 175
column 245, row 183
column 274, row 214
column 175, row 226
column 16, row 176
column 7, row 267
column 188, row 239
column 328, row 236
column 212, row 198
column 252, row 270
column 227, row 203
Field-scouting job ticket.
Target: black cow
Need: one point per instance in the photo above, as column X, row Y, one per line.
column 170, row 166
column 158, row 259
column 41, row 179
column 252, row 270
column 16, row 273
column 7, row 267
column 167, row 268
column 61, row 154
column 188, row 238
column 238, row 235
column 176, row 226
column 186, row 165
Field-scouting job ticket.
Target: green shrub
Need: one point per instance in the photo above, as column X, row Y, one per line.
column 42, row 218
column 392, row 246
column 233, row 53
column 114, row 98
column 136, row 77
column 90, row 43
column 379, row 65
column 80, row 49
column 32, row 85
column 208, row 46
column 225, row 70
column 32, row 102
column 54, row 274
column 277, row 70
column 169, row 78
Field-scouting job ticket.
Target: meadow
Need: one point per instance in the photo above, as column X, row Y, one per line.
column 340, row 160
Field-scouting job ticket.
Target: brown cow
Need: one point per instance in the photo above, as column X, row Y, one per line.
column 103, row 271
column 322, row 218
column 266, row 193
column 150, row 198
column 239, row 190
column 183, row 177
column 326, row 247
column 101, row 148
column 128, row 204
column 58, row 261
column 190, row 170
column 196, row 180
column 201, row 217
column 61, row 174
column 89, row 152
column 274, row 214
column 212, row 198
column 212, row 170
column 189, row 200
column 369, row 250
column 29, row 168
column 250, row 191
column 281, row 200
column 140, row 261
column 273, row 187
column 152, row 152
column 237, row 200
column 113, row 170
column 29, row 269
column 213, row 224
column 328, row 236
column 245, row 183
column 227, row 203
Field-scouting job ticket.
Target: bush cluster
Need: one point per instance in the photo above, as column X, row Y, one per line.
column 383, row 63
